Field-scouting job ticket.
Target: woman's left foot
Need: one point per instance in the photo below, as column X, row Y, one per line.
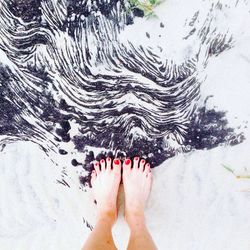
column 105, row 181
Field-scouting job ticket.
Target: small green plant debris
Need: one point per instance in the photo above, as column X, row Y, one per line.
column 147, row 6
column 232, row 171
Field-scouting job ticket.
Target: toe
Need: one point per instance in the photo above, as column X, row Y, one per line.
column 103, row 165
column 117, row 165
column 136, row 162
column 142, row 163
column 126, row 164
column 97, row 167
column 108, row 163
column 93, row 177
column 147, row 169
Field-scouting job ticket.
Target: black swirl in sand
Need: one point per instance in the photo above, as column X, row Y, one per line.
column 68, row 77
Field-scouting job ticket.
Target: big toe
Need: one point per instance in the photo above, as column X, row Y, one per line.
column 126, row 165
column 117, row 165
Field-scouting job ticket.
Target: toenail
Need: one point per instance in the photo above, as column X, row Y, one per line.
column 142, row 160
column 96, row 163
column 109, row 159
column 116, row 161
column 102, row 160
column 127, row 161
column 136, row 158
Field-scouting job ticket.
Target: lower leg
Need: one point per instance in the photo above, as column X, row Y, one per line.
column 137, row 181
column 139, row 234
column 105, row 183
column 101, row 236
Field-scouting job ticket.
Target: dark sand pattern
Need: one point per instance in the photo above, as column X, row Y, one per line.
column 66, row 77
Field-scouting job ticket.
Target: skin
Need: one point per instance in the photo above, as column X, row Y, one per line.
column 105, row 181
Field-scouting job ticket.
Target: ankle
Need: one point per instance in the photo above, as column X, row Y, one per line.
column 135, row 218
column 108, row 216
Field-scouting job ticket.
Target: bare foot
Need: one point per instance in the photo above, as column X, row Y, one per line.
column 105, row 181
column 137, row 184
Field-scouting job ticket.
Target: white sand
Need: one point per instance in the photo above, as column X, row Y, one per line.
column 195, row 203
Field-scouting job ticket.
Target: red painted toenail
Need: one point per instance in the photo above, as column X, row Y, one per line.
column 116, row 161
column 127, row 161
column 102, row 160
column 142, row 160
column 136, row 158
column 109, row 159
column 96, row 163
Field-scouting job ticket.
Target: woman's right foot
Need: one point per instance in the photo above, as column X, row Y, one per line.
column 137, row 180
column 105, row 181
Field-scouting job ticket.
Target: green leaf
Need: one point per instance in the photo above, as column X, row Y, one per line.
column 146, row 6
